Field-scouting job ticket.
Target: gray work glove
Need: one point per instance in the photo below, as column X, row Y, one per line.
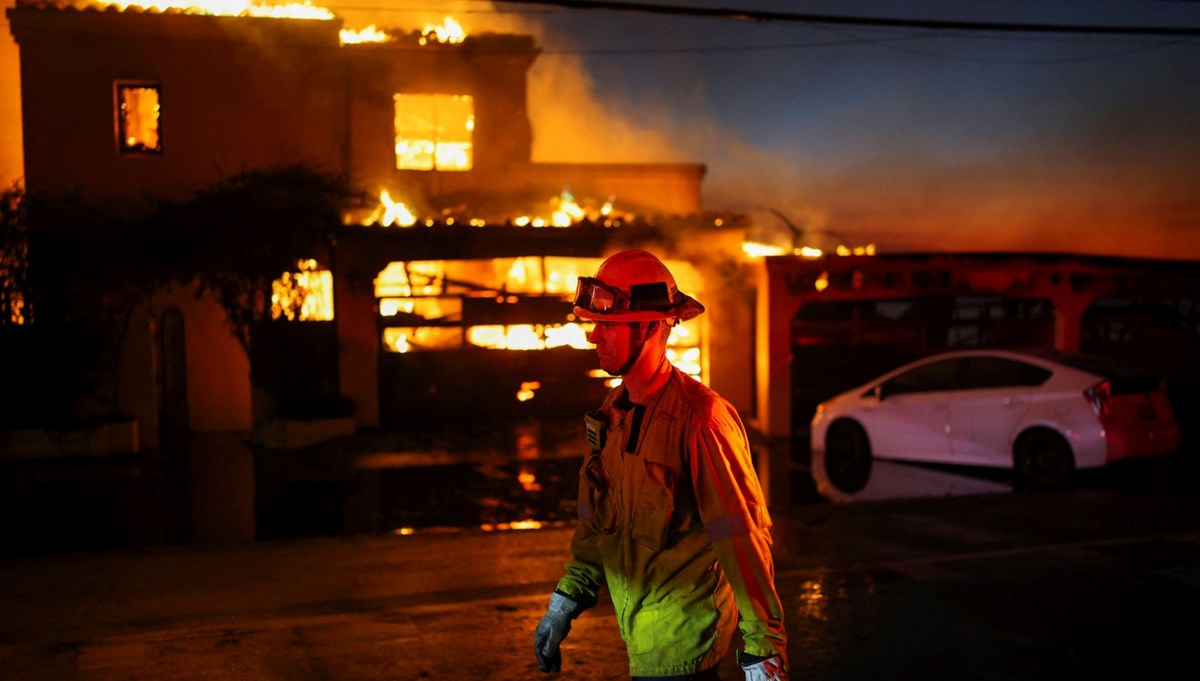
column 552, row 630
column 759, row 668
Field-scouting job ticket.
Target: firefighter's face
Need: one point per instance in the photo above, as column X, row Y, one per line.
column 614, row 342
column 620, row 345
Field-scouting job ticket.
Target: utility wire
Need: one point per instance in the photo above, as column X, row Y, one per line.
column 841, row 20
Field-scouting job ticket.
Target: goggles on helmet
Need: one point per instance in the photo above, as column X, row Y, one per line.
column 598, row 301
column 593, row 295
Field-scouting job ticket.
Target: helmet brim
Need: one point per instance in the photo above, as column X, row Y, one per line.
column 687, row 308
column 627, row 316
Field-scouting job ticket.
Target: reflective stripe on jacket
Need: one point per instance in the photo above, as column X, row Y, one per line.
column 676, row 527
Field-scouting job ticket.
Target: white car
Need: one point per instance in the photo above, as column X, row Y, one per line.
column 1042, row 415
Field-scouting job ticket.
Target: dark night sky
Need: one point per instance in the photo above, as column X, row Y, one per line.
column 912, row 139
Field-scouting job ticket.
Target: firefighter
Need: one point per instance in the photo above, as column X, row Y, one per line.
column 671, row 516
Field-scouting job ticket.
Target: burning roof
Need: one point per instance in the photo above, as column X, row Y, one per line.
column 322, row 23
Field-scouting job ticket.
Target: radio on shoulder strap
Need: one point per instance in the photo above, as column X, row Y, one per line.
column 597, row 429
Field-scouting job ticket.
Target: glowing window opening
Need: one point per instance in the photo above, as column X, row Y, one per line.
column 421, row 306
column 139, row 118
column 434, row 132
column 305, row 295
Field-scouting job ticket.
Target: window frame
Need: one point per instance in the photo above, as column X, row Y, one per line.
column 123, row 150
column 437, row 141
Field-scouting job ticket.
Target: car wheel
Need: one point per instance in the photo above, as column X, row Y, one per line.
column 1042, row 458
column 847, row 456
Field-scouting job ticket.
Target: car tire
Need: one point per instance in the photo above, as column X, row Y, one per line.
column 847, row 456
column 1042, row 458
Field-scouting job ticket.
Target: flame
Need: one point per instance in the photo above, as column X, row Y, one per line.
column 683, row 350
column 404, row 531
column 231, row 8
column 414, row 279
column 448, row 32
column 390, row 307
column 844, row 250
column 517, row 274
column 568, row 212
column 822, row 282
column 686, row 360
column 528, row 481
column 390, row 212
column 565, row 211
column 528, row 336
column 512, row 337
column 370, row 34
column 140, row 113
column 515, row 525
column 16, row 307
column 417, row 338
column 306, row 295
column 400, row 343
column 526, row 393
column 569, row 335
column 755, row 249
column 434, row 131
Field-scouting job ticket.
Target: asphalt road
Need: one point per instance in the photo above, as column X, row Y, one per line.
column 1101, row 580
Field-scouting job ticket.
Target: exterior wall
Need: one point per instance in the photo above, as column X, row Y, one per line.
column 137, row 393
column 358, row 334
column 775, row 308
column 642, row 189
column 726, row 289
column 218, row 371
column 237, row 93
column 490, row 69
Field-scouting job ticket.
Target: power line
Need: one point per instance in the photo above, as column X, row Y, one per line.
column 841, row 20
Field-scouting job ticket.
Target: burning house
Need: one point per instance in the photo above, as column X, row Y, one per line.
column 463, row 250
column 439, row 295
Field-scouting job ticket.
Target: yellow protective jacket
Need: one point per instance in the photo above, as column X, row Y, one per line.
column 673, row 521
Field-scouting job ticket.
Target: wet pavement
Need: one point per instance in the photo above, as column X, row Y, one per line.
column 1101, row 580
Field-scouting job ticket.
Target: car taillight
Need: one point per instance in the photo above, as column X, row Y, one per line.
column 1098, row 397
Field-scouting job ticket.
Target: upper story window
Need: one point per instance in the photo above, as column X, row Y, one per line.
column 139, row 118
column 434, row 132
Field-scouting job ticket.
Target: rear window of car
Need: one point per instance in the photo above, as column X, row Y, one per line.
column 1122, row 378
column 1095, row 365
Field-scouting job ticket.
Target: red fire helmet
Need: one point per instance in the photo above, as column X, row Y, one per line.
column 633, row 286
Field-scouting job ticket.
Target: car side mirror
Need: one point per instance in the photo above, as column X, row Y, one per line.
column 879, row 392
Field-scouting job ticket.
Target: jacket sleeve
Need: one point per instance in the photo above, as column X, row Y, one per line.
column 734, row 512
column 585, row 571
